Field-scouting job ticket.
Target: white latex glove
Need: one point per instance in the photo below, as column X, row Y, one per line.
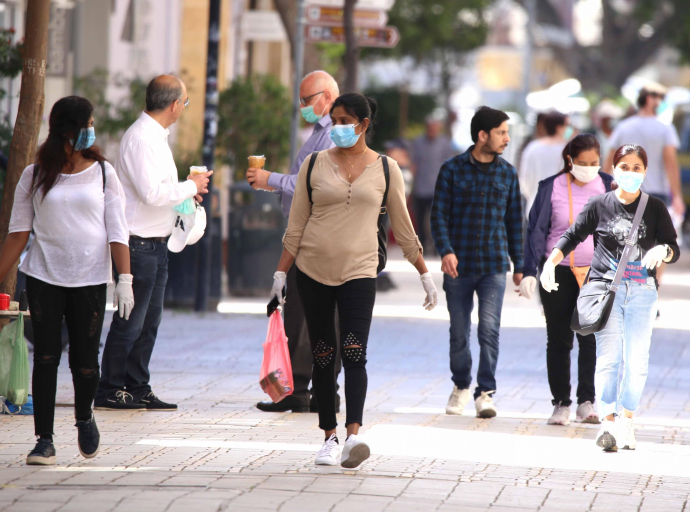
column 654, row 257
column 548, row 277
column 430, row 289
column 527, row 286
column 123, row 298
column 278, row 284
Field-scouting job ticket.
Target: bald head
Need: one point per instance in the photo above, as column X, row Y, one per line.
column 320, row 81
column 162, row 91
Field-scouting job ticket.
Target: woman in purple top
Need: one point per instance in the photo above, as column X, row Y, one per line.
column 549, row 218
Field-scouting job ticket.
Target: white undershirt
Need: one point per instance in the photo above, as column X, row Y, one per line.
column 73, row 225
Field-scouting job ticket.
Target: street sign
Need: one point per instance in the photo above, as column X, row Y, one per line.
column 333, row 16
column 378, row 5
column 386, row 37
column 263, row 26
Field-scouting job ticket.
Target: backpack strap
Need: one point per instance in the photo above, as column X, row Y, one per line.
column 312, row 161
column 103, row 173
column 387, row 176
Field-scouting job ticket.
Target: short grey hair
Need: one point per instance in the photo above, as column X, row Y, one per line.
column 162, row 92
column 323, row 80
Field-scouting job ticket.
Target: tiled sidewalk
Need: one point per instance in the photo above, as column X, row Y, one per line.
column 217, row 452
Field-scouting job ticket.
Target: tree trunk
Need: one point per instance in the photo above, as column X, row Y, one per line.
column 351, row 49
column 28, row 123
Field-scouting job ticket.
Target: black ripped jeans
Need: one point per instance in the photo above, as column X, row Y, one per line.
column 355, row 301
column 83, row 309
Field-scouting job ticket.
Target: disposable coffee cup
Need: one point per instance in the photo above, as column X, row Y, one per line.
column 197, row 169
column 257, row 161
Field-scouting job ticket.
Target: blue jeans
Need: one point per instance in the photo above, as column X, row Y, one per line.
column 490, row 289
column 128, row 348
column 626, row 338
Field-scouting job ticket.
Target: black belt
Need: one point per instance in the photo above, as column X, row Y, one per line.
column 161, row 239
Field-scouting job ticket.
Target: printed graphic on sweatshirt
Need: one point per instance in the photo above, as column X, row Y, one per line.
column 619, row 229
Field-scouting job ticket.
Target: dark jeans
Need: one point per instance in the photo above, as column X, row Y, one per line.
column 422, row 211
column 83, row 309
column 355, row 302
column 490, row 289
column 128, row 348
column 558, row 309
column 298, row 339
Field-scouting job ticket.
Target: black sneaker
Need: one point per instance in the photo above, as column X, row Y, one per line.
column 43, row 454
column 120, row 400
column 89, row 438
column 152, row 403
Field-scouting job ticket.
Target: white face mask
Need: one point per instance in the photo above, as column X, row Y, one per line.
column 584, row 173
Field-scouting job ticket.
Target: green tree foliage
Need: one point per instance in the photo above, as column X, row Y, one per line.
column 254, row 119
column 112, row 119
column 632, row 32
column 438, row 33
column 387, row 126
column 10, row 67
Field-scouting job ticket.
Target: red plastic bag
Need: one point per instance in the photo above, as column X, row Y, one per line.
column 276, row 368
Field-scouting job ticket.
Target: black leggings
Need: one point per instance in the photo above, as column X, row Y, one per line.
column 83, row 309
column 558, row 310
column 355, row 301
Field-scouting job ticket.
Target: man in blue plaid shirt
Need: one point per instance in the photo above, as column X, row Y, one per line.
column 476, row 223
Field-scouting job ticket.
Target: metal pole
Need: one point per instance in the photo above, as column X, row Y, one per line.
column 297, row 80
column 531, row 8
column 209, row 147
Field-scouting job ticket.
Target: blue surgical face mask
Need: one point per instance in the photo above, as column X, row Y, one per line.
column 86, row 138
column 344, row 136
column 310, row 116
column 568, row 133
column 628, row 180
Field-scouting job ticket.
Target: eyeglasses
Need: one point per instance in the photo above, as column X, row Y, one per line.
column 303, row 101
column 186, row 102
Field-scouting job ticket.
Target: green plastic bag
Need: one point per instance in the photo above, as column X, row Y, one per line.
column 6, row 341
column 19, row 377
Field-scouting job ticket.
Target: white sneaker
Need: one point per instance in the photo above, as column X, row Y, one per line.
column 355, row 452
column 485, row 405
column 626, row 432
column 606, row 438
column 560, row 416
column 458, row 400
column 329, row 452
column 586, row 413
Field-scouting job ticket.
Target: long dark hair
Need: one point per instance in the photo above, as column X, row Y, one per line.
column 583, row 142
column 359, row 107
column 68, row 116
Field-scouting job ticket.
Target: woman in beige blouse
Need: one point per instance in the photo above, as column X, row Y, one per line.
column 333, row 241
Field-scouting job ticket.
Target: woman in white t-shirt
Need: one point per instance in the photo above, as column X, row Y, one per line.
column 73, row 202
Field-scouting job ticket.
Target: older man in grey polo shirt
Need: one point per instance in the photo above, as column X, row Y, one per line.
column 318, row 91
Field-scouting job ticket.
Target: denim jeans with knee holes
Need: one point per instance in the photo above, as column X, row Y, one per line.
column 625, row 339
column 355, row 302
column 83, row 309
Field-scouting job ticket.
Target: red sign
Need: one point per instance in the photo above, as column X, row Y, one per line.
column 333, row 16
column 386, row 37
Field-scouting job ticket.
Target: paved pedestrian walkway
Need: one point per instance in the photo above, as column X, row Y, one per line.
column 217, row 452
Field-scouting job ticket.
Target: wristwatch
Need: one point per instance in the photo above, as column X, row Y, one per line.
column 669, row 252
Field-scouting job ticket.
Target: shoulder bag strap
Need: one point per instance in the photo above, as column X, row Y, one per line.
column 103, row 173
column 629, row 242
column 312, row 160
column 387, row 176
column 571, row 217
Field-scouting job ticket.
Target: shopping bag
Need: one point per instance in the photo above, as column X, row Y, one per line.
column 7, row 407
column 18, row 386
column 6, row 341
column 276, row 369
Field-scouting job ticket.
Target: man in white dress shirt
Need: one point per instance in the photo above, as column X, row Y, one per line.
column 148, row 174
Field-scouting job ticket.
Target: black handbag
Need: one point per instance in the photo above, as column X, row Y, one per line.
column 595, row 301
column 382, row 228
